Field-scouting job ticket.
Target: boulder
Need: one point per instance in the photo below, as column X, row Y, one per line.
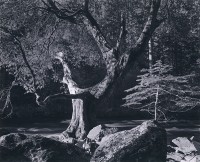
column 142, row 143
column 87, row 145
column 197, row 146
column 184, row 145
column 170, row 149
column 184, row 150
column 95, row 132
column 100, row 131
column 174, row 156
column 196, row 141
column 25, row 148
column 191, row 158
column 178, row 157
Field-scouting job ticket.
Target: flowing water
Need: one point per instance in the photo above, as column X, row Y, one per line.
column 174, row 128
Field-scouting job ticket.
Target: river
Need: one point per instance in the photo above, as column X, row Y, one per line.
column 174, row 128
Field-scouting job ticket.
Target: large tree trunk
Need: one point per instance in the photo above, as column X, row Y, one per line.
column 117, row 65
column 83, row 118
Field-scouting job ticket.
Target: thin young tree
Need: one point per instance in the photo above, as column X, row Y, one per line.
column 159, row 92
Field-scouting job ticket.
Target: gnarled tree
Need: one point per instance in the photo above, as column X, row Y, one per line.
column 117, row 64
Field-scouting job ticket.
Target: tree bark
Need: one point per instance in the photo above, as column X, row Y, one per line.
column 83, row 118
column 83, row 114
column 79, row 124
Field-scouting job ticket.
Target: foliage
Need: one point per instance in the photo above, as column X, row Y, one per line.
column 41, row 35
column 30, row 26
column 177, row 41
column 160, row 91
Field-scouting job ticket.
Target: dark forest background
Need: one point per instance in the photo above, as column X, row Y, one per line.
column 175, row 43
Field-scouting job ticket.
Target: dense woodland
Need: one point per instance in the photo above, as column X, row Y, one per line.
column 92, row 52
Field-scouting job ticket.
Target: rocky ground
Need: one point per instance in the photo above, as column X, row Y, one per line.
column 144, row 143
column 141, row 143
column 183, row 149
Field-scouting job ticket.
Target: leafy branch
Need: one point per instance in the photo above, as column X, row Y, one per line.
column 158, row 91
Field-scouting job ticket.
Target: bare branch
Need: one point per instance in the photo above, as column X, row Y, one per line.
column 94, row 28
column 26, row 62
column 151, row 24
column 126, row 61
column 107, row 51
column 51, row 39
column 66, row 14
column 16, row 40
column 54, row 97
column 162, row 113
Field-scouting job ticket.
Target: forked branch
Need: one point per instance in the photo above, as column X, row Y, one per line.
column 115, row 67
column 128, row 58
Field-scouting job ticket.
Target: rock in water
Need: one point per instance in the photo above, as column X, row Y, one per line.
column 175, row 156
column 100, row 131
column 95, row 132
column 184, row 145
column 147, row 142
column 25, row 148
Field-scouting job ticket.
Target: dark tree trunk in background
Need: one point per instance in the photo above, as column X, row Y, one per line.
column 150, row 53
column 117, row 65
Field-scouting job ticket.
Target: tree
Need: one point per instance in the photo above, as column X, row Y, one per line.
column 159, row 92
column 117, row 62
column 177, row 41
column 116, row 66
column 22, row 44
column 31, row 37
